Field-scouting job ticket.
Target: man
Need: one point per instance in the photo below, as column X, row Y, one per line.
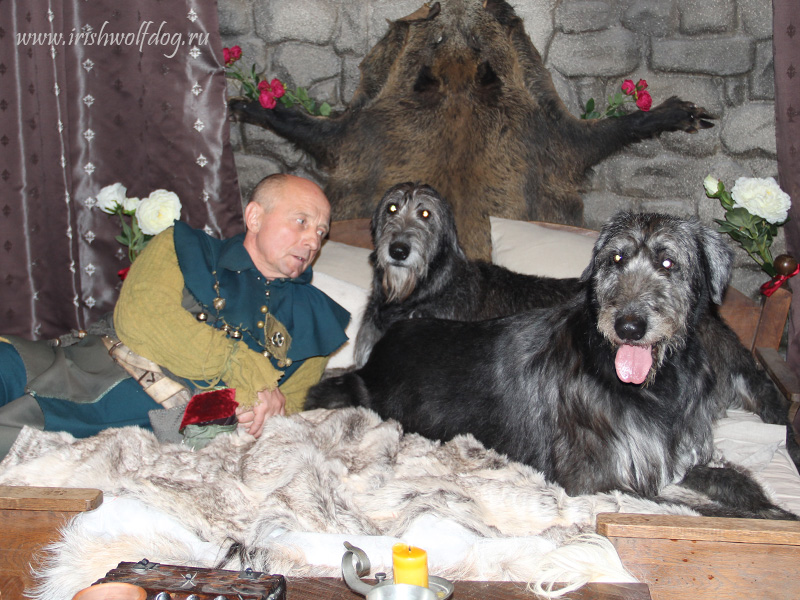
column 238, row 314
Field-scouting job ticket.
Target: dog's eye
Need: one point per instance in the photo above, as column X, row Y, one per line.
column 425, row 214
column 617, row 258
column 392, row 208
column 667, row 264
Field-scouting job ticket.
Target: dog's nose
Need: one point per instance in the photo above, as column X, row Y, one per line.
column 399, row 251
column 630, row 327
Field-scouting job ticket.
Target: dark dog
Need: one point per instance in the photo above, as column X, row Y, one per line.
column 420, row 270
column 456, row 95
column 611, row 390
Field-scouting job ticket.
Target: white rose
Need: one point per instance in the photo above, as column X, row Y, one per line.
column 762, row 198
column 110, row 197
column 158, row 211
column 129, row 205
column 711, row 184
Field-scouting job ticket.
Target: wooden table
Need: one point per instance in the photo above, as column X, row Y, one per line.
column 330, row 588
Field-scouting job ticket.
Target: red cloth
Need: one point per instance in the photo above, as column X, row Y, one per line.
column 210, row 406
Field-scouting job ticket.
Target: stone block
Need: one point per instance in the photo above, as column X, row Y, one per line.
column 351, row 32
column 609, row 53
column 750, row 127
column 706, row 16
column 235, row 17
column 599, row 207
column 578, row 16
column 762, row 77
column 656, row 18
column 538, row 20
column 700, row 145
column 756, row 17
column 715, row 56
column 252, row 169
column 263, row 142
column 351, row 77
column 305, row 64
column 311, row 21
column 664, row 176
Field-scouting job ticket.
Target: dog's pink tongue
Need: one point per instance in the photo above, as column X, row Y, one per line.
column 633, row 363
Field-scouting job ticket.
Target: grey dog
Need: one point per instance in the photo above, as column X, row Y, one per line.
column 612, row 389
column 420, row 270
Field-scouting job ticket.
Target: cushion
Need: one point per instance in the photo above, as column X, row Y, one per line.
column 537, row 250
column 354, row 299
column 348, row 263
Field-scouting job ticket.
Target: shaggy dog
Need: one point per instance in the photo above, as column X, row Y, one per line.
column 610, row 390
column 420, row 270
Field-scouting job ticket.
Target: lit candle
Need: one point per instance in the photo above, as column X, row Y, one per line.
column 410, row 565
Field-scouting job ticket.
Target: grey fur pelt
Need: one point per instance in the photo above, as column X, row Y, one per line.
column 337, row 472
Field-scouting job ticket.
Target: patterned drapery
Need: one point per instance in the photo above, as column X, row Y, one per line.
column 786, row 45
column 93, row 93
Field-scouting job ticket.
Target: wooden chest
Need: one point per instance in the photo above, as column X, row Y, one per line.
column 183, row 583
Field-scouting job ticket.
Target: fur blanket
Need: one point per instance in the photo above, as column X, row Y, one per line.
column 310, row 482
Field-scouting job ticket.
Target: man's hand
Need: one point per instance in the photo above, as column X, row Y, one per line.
column 270, row 403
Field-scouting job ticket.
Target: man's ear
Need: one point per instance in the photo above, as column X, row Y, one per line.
column 252, row 216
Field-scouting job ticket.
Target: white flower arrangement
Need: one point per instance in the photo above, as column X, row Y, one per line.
column 148, row 216
column 754, row 209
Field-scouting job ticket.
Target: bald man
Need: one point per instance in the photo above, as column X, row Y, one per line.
column 237, row 319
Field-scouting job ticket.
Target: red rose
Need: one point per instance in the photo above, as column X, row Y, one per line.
column 628, row 87
column 263, row 86
column 236, row 53
column 123, row 273
column 226, row 55
column 267, row 100
column 644, row 101
column 641, row 85
column 278, row 88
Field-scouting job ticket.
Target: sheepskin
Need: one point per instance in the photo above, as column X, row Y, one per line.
column 311, row 481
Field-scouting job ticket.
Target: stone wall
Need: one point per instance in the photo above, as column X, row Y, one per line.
column 717, row 53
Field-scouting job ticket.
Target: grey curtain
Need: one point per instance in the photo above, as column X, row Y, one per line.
column 786, row 42
column 93, row 93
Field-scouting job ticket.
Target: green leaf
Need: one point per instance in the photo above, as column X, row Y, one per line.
column 739, row 217
column 590, row 105
column 325, row 109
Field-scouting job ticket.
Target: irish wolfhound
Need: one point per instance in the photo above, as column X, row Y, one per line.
column 420, row 270
column 610, row 390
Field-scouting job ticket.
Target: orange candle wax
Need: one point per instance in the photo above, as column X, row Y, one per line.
column 410, row 565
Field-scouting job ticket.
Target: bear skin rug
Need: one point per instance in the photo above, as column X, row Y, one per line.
column 286, row 503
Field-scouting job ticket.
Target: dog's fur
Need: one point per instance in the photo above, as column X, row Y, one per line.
column 542, row 386
column 420, row 270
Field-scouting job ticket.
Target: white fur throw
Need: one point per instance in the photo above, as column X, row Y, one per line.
column 310, row 482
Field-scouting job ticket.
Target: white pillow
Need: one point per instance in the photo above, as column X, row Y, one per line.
column 354, row 299
column 535, row 250
column 348, row 263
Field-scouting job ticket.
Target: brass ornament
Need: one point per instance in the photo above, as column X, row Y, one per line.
column 202, row 317
column 219, row 303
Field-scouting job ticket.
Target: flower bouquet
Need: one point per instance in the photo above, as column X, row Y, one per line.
column 754, row 209
column 631, row 92
column 140, row 219
column 267, row 93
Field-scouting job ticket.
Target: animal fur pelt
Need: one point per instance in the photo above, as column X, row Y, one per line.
column 319, row 472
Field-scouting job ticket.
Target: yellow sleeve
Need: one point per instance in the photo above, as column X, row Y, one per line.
column 150, row 320
column 296, row 387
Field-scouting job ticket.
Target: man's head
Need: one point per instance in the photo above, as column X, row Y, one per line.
column 287, row 218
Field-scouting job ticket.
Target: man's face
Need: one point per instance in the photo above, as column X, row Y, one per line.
column 284, row 241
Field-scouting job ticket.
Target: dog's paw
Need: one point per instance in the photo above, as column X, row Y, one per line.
column 681, row 115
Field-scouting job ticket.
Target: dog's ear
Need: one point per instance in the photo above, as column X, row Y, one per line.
column 718, row 257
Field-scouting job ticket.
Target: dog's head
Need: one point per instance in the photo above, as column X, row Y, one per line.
column 652, row 277
column 411, row 226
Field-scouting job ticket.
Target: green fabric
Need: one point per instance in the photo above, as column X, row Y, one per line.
column 198, row 436
column 82, row 372
column 315, row 322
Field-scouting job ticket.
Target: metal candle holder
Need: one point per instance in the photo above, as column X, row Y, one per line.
column 355, row 564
